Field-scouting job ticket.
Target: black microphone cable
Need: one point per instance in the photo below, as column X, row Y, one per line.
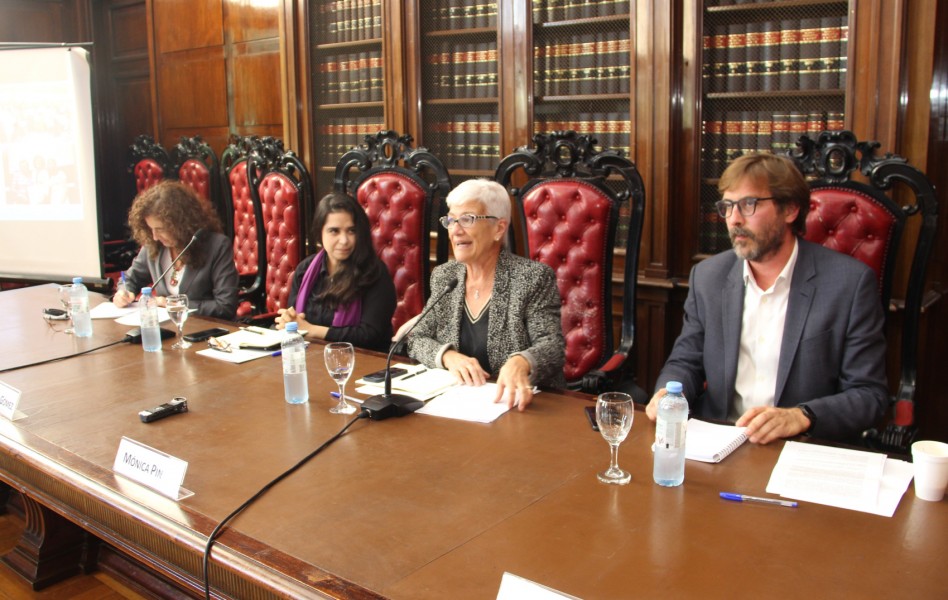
column 263, row 490
column 51, row 360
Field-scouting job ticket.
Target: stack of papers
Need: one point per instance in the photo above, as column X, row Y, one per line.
column 418, row 382
column 853, row 479
column 246, row 344
column 467, row 403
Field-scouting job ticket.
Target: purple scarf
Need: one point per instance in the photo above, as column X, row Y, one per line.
column 346, row 315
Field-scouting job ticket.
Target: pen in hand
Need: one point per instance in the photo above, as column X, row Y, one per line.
column 746, row 498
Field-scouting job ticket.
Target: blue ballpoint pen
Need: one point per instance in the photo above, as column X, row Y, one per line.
column 746, row 498
column 277, row 353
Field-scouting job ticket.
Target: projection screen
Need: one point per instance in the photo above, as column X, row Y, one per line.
column 49, row 226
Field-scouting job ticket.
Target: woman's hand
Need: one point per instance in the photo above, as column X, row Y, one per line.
column 513, row 383
column 465, row 368
column 288, row 315
column 123, row 298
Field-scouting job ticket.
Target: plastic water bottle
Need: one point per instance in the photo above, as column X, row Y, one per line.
column 148, row 310
column 79, row 309
column 670, row 430
column 293, row 350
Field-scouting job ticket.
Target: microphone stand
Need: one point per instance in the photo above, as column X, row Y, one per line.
column 180, row 254
column 387, row 404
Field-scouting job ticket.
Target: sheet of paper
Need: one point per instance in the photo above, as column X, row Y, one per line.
column 425, row 382
column 108, row 310
column 467, row 403
column 133, row 319
column 514, row 587
column 840, row 477
column 239, row 355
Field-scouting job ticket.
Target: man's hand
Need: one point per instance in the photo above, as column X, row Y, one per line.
column 768, row 423
column 651, row 411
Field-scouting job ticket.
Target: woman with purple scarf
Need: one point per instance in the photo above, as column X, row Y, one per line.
column 344, row 292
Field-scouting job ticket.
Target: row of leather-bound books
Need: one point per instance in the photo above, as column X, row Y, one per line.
column 549, row 11
column 460, row 14
column 350, row 77
column 461, row 69
column 791, row 54
column 336, row 135
column 465, row 141
column 347, row 20
column 586, row 63
column 729, row 134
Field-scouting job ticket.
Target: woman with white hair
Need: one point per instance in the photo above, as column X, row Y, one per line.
column 502, row 319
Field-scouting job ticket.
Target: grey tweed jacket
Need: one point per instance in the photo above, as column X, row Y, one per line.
column 524, row 318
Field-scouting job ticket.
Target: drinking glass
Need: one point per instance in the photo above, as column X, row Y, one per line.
column 340, row 358
column 177, row 305
column 614, row 412
column 64, row 293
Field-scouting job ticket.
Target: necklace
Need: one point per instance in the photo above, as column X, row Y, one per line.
column 176, row 271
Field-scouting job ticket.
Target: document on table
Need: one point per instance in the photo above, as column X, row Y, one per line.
column 712, row 442
column 467, row 403
column 514, row 587
column 841, row 477
column 133, row 318
column 418, row 382
column 108, row 310
column 246, row 344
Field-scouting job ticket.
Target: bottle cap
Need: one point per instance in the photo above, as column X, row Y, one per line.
column 146, row 291
column 292, row 326
column 673, row 387
column 77, row 279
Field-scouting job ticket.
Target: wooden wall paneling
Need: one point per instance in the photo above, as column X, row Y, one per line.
column 31, row 21
column 187, row 24
column 414, row 110
column 123, row 103
column 394, row 51
column 247, row 21
column 515, row 74
column 651, row 116
column 255, row 85
column 192, row 91
column 876, row 38
column 295, row 82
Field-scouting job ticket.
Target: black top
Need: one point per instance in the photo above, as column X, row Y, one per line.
column 374, row 332
column 473, row 340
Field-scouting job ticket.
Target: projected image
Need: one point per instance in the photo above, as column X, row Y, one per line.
column 38, row 153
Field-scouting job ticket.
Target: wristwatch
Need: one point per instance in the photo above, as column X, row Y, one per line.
column 809, row 414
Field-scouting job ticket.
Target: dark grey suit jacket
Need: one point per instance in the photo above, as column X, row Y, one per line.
column 833, row 352
column 211, row 289
column 524, row 318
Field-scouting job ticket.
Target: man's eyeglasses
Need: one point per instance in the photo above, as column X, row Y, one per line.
column 747, row 206
column 466, row 221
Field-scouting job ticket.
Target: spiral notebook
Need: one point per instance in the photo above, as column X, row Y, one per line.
column 710, row 442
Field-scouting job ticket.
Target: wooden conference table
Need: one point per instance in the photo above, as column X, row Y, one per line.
column 417, row 507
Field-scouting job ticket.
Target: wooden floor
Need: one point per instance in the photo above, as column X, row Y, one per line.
column 98, row 586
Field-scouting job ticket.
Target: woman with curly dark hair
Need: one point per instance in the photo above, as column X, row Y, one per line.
column 163, row 219
column 344, row 292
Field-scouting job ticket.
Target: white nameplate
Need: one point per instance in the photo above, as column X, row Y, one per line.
column 149, row 467
column 9, row 400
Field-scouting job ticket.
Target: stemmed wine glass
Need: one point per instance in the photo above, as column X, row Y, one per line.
column 340, row 358
column 177, row 305
column 65, row 292
column 614, row 412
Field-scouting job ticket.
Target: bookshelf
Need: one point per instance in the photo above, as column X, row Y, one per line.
column 348, row 79
column 770, row 72
column 459, row 88
column 582, row 73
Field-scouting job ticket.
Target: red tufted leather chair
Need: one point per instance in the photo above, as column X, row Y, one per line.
column 247, row 219
column 149, row 162
column 858, row 219
column 399, row 188
column 196, row 165
column 280, row 184
column 569, row 214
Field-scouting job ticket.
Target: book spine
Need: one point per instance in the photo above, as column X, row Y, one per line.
column 719, row 66
column 712, row 141
column 765, row 131
column 843, row 52
column 815, row 124
column 781, row 132
column 770, row 56
column 753, row 44
column 810, row 64
column 829, row 52
column 748, row 139
column 789, row 54
column 736, row 57
column 797, row 127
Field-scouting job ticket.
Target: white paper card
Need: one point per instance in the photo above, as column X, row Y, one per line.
column 513, row 587
column 152, row 468
column 467, row 403
column 9, row 400
column 134, row 319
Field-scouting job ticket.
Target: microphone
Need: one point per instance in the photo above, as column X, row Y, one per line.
column 383, row 406
column 180, row 254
